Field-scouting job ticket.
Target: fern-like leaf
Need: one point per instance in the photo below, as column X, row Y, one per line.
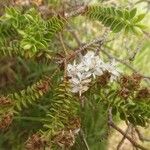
column 63, row 107
column 116, row 19
column 27, row 33
column 31, row 94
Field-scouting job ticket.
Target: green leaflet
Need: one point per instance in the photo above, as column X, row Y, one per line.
column 63, row 107
column 25, row 98
column 29, row 32
column 116, row 19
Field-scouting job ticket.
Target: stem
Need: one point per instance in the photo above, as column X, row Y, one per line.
column 112, row 124
column 124, row 137
column 62, row 43
column 84, row 139
column 30, row 119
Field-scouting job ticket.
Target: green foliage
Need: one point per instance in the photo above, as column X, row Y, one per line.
column 132, row 109
column 136, row 113
column 116, row 19
column 64, row 107
column 24, row 98
column 24, row 32
column 27, row 33
column 95, row 126
column 31, row 94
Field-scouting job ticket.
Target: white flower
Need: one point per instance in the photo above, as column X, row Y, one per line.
column 79, row 85
column 71, row 70
column 98, row 69
column 90, row 54
column 89, row 66
column 83, row 76
column 97, row 72
column 88, row 60
column 111, row 67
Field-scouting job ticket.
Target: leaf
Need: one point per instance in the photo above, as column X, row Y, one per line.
column 113, row 11
column 137, row 30
column 27, row 46
column 141, row 26
column 132, row 119
column 116, row 19
column 21, row 32
column 118, row 27
column 133, row 12
column 140, row 121
column 119, row 12
column 127, row 29
column 114, row 110
column 139, row 18
column 122, row 115
column 114, row 24
column 108, row 22
column 126, row 14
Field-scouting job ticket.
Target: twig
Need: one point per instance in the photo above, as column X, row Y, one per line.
column 66, row 53
column 104, row 37
column 77, row 12
column 62, row 43
column 124, row 62
column 112, row 124
column 123, row 138
column 133, row 55
column 99, row 40
column 133, row 137
column 74, row 34
column 84, row 139
column 79, row 50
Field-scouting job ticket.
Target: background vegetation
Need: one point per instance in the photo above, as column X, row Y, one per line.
column 34, row 40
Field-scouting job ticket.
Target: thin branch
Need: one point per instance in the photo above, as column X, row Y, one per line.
column 123, row 138
column 74, row 34
column 77, row 12
column 133, row 137
column 112, row 124
column 84, row 139
column 124, row 62
column 62, row 43
column 99, row 40
column 104, row 36
column 136, row 51
column 76, row 37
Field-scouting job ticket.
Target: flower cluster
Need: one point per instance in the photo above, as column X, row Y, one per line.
column 90, row 66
